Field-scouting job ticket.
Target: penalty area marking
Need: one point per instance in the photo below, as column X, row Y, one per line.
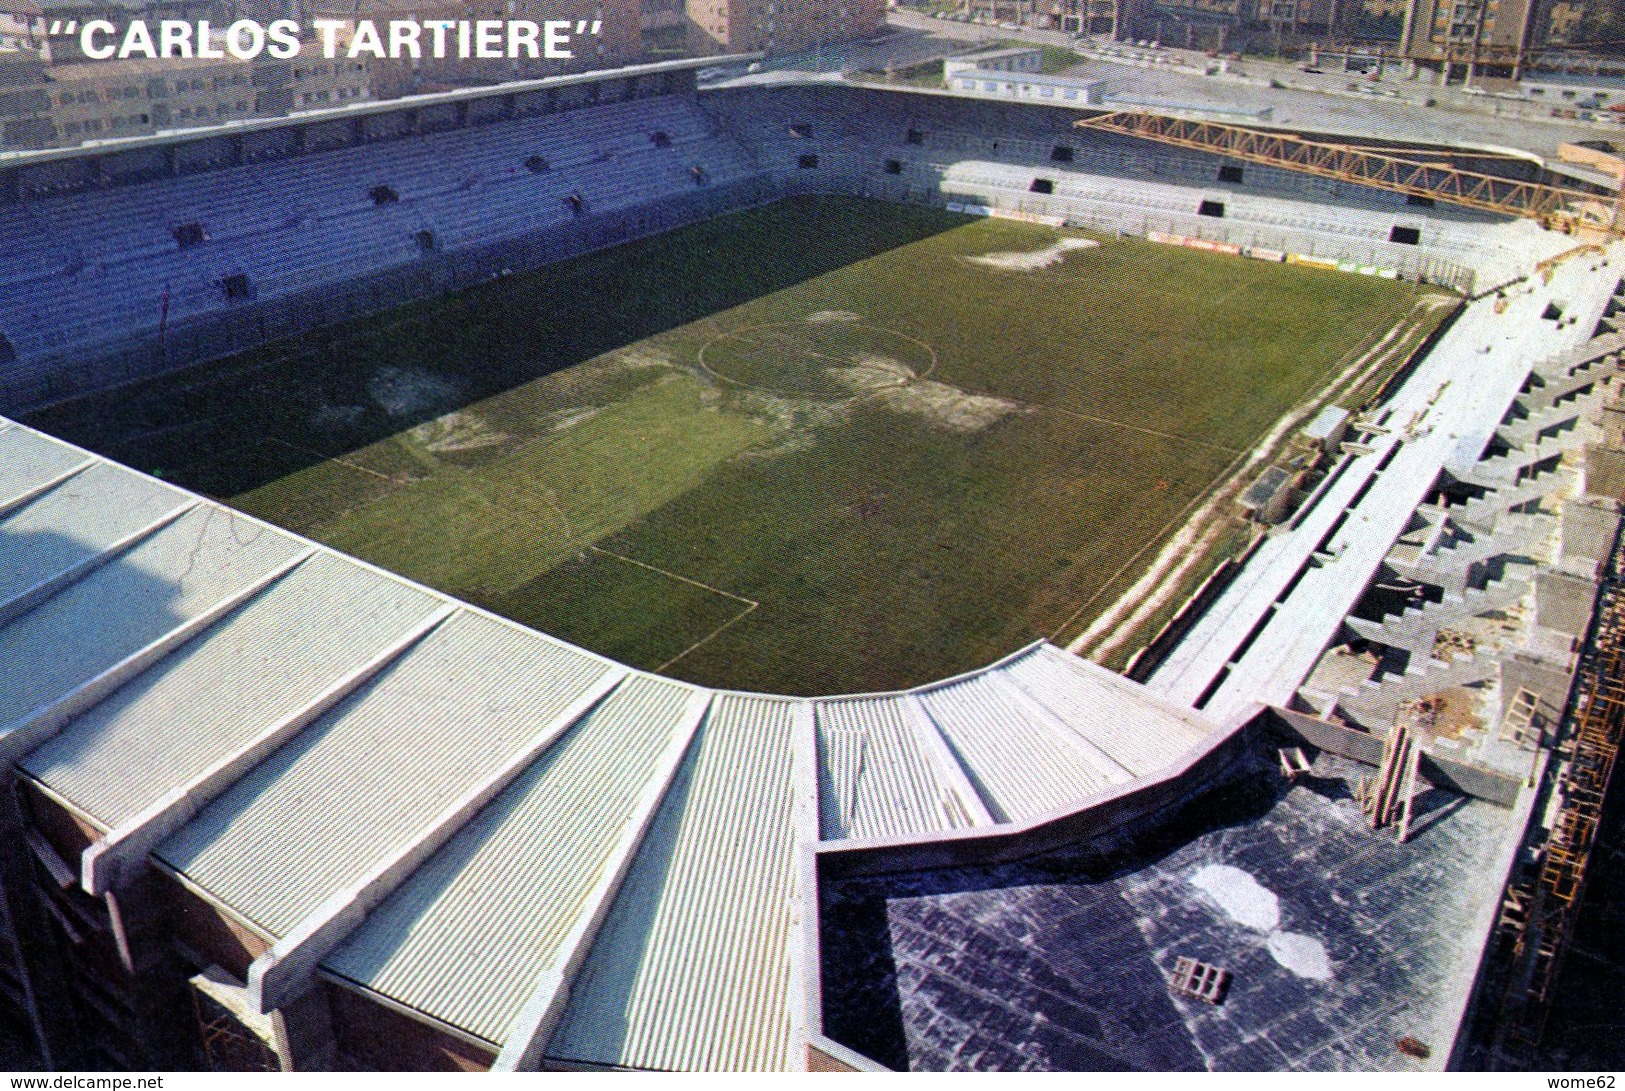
column 751, row 605
column 342, row 462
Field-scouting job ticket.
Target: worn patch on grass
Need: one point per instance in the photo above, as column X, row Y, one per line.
column 1030, row 261
column 946, row 406
column 457, row 431
column 407, row 391
column 894, row 385
column 331, row 418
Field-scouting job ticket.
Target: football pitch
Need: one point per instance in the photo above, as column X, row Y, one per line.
column 828, row 445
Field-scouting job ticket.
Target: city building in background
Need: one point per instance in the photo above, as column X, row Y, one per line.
column 778, row 26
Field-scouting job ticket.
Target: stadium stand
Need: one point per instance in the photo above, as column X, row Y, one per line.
column 362, row 778
column 272, row 795
column 128, row 264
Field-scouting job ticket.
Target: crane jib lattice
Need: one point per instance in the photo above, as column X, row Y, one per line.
column 1553, row 206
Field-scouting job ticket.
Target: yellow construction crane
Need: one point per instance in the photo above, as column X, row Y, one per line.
column 1570, row 210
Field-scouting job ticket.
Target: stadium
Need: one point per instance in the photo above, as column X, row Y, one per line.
column 604, row 573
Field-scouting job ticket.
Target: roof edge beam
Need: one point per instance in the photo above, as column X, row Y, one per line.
column 808, row 824
column 533, row 1027
column 942, row 756
column 20, row 604
column 29, row 495
column 37, row 726
column 1092, row 752
column 118, row 855
column 281, row 974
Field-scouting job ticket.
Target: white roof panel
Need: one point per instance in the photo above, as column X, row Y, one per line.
column 29, row 460
column 468, row 936
column 1021, row 765
column 75, row 521
column 692, row 970
column 874, row 778
column 365, row 779
column 1124, row 719
column 177, row 574
column 265, row 661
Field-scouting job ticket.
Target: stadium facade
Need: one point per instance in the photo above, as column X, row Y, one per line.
column 271, row 807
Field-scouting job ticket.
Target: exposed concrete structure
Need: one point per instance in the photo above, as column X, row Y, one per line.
column 372, row 826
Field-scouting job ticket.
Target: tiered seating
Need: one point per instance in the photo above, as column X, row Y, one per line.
column 990, row 153
column 93, row 268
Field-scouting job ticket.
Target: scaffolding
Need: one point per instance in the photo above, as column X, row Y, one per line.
column 1540, row 913
column 233, row 1036
column 1389, row 799
column 1555, row 207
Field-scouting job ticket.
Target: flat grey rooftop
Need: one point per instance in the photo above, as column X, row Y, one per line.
column 1341, row 941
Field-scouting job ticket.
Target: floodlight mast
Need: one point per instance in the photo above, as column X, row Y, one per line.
column 1572, row 211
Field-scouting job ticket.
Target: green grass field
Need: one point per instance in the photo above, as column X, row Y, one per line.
column 809, row 448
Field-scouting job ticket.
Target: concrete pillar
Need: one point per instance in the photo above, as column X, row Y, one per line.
column 43, row 970
column 303, row 1029
column 156, row 983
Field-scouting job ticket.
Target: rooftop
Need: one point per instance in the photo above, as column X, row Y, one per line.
column 1340, row 941
column 293, row 732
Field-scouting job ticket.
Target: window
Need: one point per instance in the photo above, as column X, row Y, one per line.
column 1408, row 236
column 1199, row 981
column 236, row 287
column 1231, row 172
column 190, row 235
column 1211, row 208
column 1060, row 154
column 807, row 162
column 425, row 241
column 1041, row 185
column 538, row 164
column 916, row 136
column 894, row 166
column 1418, row 200
column 383, row 195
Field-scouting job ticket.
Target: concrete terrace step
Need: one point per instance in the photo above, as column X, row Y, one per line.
column 1506, row 469
column 1521, row 431
column 1452, row 566
column 1561, row 386
column 1375, row 704
column 1414, row 629
column 1596, row 350
column 1484, row 512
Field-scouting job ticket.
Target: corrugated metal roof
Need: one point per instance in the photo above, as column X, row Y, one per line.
column 265, row 661
column 77, row 520
column 1135, row 727
column 367, row 777
column 1022, row 765
column 692, row 970
column 172, row 577
column 29, row 460
column 467, row 937
column 693, row 967
column 874, row 778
